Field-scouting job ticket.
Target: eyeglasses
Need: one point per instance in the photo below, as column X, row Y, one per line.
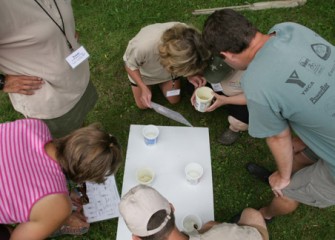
column 83, row 193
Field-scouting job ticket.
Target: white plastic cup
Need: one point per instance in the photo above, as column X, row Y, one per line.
column 203, row 98
column 145, row 175
column 150, row 134
column 193, row 172
column 191, row 223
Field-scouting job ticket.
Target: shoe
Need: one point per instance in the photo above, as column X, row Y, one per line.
column 228, row 137
column 5, row 232
column 259, row 172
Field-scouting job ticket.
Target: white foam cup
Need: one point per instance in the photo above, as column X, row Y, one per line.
column 203, row 98
column 193, row 172
column 191, row 223
column 145, row 175
column 150, row 134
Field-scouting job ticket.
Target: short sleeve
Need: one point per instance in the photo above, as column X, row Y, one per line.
column 135, row 55
column 264, row 121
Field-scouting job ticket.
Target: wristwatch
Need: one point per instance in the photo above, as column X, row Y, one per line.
column 2, row 81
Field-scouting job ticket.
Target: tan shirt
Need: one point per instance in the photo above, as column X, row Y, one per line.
column 31, row 44
column 229, row 231
column 142, row 54
column 231, row 85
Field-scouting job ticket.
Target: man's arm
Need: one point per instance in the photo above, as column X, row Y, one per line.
column 221, row 100
column 282, row 150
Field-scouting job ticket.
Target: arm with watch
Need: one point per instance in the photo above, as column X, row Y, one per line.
column 20, row 84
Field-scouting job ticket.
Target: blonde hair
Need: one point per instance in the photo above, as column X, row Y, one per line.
column 182, row 51
column 88, row 154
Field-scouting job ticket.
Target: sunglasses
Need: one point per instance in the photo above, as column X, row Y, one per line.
column 83, row 193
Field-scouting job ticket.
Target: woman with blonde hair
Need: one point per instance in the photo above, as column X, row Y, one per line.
column 34, row 172
column 160, row 54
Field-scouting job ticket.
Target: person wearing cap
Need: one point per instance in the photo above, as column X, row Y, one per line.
column 182, row 53
column 149, row 215
column 225, row 82
column 160, row 54
column 289, row 83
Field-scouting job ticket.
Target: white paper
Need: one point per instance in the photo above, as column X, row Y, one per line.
column 176, row 147
column 217, row 87
column 171, row 93
column 104, row 200
column 170, row 114
column 77, row 57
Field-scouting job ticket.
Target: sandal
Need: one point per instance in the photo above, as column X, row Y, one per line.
column 75, row 225
column 68, row 230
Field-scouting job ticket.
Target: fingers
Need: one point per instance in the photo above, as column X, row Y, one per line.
column 146, row 102
column 197, row 81
column 214, row 106
column 22, row 84
column 277, row 192
column 193, row 99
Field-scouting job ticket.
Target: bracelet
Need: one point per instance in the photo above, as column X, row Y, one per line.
column 2, row 81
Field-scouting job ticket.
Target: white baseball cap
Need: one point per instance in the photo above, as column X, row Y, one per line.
column 137, row 207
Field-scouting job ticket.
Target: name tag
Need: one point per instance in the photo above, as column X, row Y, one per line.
column 217, row 87
column 174, row 92
column 77, row 57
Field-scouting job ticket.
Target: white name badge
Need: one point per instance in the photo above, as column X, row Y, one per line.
column 77, row 57
column 174, row 92
column 217, row 87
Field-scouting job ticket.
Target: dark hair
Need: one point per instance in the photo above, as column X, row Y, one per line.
column 88, row 154
column 227, row 30
column 155, row 221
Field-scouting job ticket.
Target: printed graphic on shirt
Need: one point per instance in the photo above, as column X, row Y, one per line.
column 320, row 93
column 321, row 50
column 294, row 79
column 311, row 66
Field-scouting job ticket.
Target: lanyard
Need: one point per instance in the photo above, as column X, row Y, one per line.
column 62, row 29
column 174, row 78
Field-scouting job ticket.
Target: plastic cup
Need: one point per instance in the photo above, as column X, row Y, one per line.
column 150, row 134
column 193, row 172
column 203, row 98
column 145, row 175
column 191, row 223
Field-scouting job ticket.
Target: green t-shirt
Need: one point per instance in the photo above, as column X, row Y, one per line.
column 291, row 82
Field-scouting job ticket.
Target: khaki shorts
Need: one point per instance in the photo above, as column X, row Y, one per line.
column 313, row 185
column 74, row 119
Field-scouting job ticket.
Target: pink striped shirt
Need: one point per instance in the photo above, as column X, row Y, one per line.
column 27, row 173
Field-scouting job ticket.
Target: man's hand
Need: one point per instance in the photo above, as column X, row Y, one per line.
column 197, row 80
column 277, row 183
column 22, row 84
column 219, row 100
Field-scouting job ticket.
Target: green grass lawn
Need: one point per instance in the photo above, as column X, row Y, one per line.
column 106, row 26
